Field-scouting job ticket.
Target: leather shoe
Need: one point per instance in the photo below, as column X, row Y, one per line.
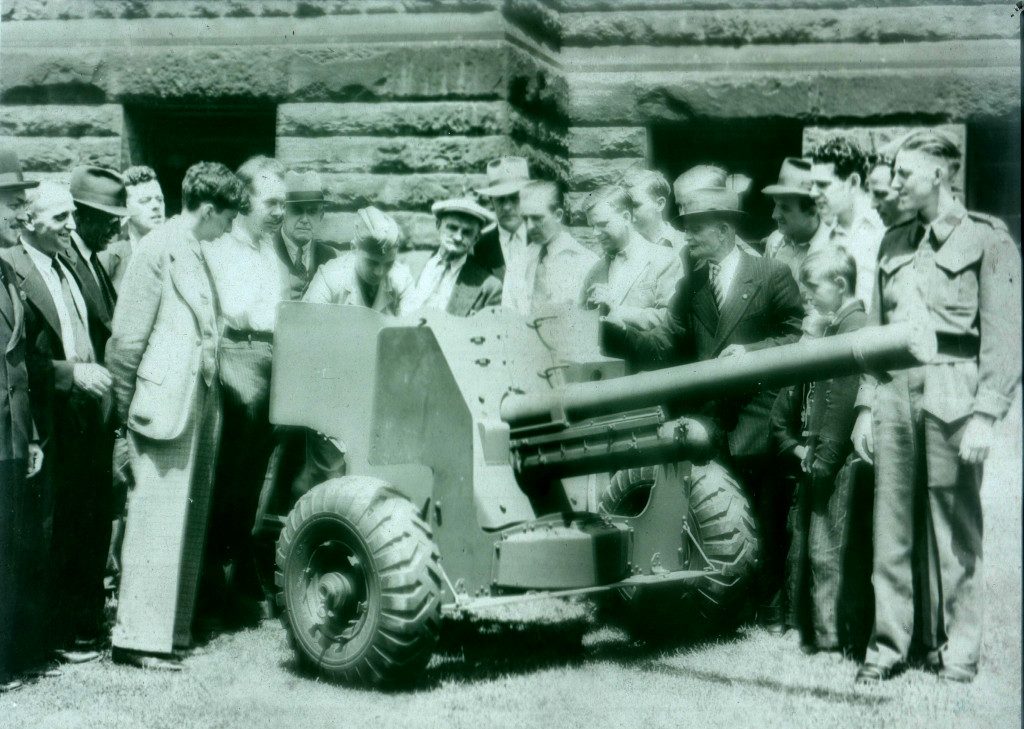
column 76, row 656
column 873, row 673
column 958, row 673
column 146, row 660
column 12, row 685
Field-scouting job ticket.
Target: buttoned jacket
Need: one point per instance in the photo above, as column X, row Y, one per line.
column 164, row 337
column 969, row 287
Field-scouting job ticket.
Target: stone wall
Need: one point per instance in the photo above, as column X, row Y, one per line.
column 398, row 102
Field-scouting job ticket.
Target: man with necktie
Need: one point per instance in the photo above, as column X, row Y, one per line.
column 735, row 303
column 64, row 338
column 929, row 429
column 298, row 249
column 451, row 281
column 554, row 262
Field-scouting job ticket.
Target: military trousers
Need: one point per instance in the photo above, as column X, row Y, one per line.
column 927, row 531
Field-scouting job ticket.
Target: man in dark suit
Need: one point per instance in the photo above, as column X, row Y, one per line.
column 450, row 280
column 734, row 304
column 64, row 339
column 295, row 242
column 22, row 517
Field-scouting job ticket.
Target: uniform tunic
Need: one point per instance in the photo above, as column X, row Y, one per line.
column 960, row 275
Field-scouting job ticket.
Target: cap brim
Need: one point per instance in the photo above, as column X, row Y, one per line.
column 304, row 197
column 786, row 190
column 502, row 189
column 726, row 212
column 112, row 209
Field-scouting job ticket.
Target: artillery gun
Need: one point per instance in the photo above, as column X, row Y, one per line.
column 478, row 454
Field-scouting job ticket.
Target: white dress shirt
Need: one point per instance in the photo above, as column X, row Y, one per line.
column 44, row 263
column 247, row 277
column 727, row 269
column 566, row 263
column 435, row 285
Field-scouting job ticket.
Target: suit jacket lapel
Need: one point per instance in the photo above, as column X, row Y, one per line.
column 94, row 300
column 35, row 289
column 704, row 307
column 185, row 265
column 634, row 268
column 737, row 300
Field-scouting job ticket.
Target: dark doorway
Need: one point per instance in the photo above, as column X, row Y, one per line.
column 993, row 170
column 170, row 139
column 753, row 147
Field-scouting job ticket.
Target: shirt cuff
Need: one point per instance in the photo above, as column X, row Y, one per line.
column 989, row 402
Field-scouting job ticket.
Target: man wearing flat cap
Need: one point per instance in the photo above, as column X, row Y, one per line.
column 502, row 246
column 296, row 245
column 450, row 281
column 735, row 303
column 368, row 276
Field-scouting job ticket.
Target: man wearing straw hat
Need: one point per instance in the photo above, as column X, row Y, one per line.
column 735, row 303
column 501, row 247
column 450, row 280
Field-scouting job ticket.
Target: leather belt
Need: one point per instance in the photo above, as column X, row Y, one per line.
column 239, row 335
column 958, row 345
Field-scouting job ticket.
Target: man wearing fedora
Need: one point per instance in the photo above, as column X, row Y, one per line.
column 501, row 246
column 296, row 243
column 735, row 303
column 22, row 535
column 65, row 337
column 12, row 196
column 450, row 280
column 800, row 229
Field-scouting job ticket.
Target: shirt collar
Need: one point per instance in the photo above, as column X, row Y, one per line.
column 80, row 245
column 41, row 260
column 729, row 263
column 948, row 218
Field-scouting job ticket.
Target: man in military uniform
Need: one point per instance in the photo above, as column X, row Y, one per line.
column 929, row 429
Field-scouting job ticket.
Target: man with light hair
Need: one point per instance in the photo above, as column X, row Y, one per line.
column 649, row 193
column 930, row 429
column 554, row 262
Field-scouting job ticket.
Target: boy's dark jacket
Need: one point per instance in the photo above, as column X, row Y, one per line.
column 828, row 416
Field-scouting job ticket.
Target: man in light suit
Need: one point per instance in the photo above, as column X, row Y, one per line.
column 450, row 280
column 163, row 357
column 65, row 338
column 633, row 282
column 735, row 303
column 22, row 534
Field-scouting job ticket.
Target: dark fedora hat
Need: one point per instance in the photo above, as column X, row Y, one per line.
column 11, row 176
column 99, row 188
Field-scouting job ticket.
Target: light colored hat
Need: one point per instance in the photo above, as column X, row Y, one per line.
column 717, row 200
column 505, row 176
column 794, row 178
column 463, row 206
column 98, row 188
column 11, row 176
column 377, row 232
column 303, row 187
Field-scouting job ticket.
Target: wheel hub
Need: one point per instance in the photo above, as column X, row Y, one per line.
column 335, row 591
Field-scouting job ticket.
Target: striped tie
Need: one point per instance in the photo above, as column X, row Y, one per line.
column 714, row 276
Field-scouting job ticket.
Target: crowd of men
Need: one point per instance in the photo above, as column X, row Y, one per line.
column 135, row 418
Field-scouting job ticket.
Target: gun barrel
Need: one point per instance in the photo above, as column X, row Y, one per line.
column 894, row 346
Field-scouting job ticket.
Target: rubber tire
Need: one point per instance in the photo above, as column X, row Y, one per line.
column 402, row 564
column 723, row 525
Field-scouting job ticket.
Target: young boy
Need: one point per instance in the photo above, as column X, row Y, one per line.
column 829, row 580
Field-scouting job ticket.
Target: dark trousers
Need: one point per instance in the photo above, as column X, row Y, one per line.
column 81, row 456
column 245, row 447
column 927, row 531
column 25, row 525
column 771, row 496
column 829, row 564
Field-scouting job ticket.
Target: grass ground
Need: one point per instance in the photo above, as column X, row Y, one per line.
column 250, row 680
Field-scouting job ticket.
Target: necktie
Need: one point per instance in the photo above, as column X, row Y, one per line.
column 82, row 351
column 715, row 277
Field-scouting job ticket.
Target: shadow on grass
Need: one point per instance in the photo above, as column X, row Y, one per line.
column 816, row 692
column 468, row 656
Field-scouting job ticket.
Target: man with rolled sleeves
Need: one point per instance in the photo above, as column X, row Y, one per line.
column 929, row 429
